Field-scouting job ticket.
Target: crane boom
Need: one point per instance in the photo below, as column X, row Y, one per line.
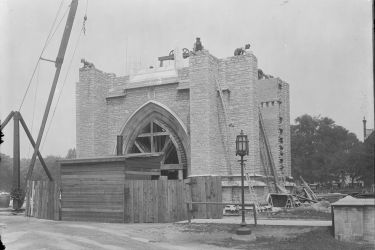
column 58, row 64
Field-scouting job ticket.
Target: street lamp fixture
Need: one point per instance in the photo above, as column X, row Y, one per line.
column 242, row 144
column 242, row 149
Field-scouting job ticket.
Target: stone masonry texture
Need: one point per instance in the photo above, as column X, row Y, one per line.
column 105, row 103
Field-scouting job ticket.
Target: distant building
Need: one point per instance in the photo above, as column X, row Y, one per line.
column 366, row 132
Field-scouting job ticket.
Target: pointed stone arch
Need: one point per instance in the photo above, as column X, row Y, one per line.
column 153, row 112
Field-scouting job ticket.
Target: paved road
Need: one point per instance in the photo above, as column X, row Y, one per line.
column 19, row 232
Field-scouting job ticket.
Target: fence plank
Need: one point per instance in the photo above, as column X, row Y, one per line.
column 155, row 201
column 202, row 197
column 163, row 201
column 133, row 201
column 207, row 186
column 140, row 202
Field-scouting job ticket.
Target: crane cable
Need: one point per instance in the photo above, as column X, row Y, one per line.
column 58, row 25
column 37, row 76
column 35, row 96
column 44, row 48
column 83, row 30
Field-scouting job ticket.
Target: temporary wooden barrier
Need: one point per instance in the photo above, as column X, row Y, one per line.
column 137, row 201
column 42, row 200
column 155, row 201
column 206, row 189
column 103, row 190
column 92, row 189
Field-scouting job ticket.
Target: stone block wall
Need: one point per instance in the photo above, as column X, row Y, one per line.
column 194, row 98
column 240, row 77
column 91, row 116
column 273, row 98
column 354, row 223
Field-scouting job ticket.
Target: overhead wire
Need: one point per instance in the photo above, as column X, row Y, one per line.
column 44, row 47
column 58, row 25
column 35, row 95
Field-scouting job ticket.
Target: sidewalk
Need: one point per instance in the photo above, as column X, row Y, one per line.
column 273, row 222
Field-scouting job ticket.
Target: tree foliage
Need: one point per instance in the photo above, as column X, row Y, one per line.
column 71, row 154
column 6, row 169
column 323, row 151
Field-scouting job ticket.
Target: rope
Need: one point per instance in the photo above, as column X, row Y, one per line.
column 65, row 78
column 83, row 30
column 35, row 95
column 58, row 25
column 44, row 47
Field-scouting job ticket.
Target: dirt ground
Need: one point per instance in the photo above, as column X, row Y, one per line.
column 28, row 233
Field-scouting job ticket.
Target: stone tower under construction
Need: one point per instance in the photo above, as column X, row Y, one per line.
column 189, row 112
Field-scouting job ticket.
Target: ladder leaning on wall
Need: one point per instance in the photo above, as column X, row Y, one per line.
column 253, row 195
column 226, row 138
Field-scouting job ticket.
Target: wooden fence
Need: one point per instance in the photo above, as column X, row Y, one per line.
column 206, row 189
column 42, row 200
column 103, row 190
column 134, row 201
column 155, row 201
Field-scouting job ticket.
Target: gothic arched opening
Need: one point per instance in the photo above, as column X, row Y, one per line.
column 153, row 128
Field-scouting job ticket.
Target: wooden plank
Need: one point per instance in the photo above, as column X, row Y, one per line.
column 27, row 198
column 56, row 201
column 153, row 134
column 33, row 199
column 146, row 201
column 151, row 201
column 90, row 209
column 155, row 201
column 126, row 203
column 131, row 200
column 162, row 201
column 171, row 167
column 40, row 199
column 180, row 200
column 187, row 196
column 141, row 205
column 49, row 200
column 172, row 194
column 219, row 190
column 153, row 172
column 201, row 193
column 135, row 200
column 207, row 186
column 44, row 199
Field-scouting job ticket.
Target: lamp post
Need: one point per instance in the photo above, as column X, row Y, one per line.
column 242, row 149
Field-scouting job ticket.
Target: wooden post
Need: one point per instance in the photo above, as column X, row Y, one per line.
column 5, row 122
column 188, row 206
column 58, row 64
column 16, row 157
column 255, row 215
column 333, row 221
column 44, row 165
column 119, row 144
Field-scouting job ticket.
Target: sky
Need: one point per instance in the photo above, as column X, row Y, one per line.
column 322, row 48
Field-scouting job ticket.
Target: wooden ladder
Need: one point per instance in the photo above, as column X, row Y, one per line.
column 253, row 195
column 268, row 155
column 227, row 137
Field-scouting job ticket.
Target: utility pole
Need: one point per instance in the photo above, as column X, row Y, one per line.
column 58, row 64
column 16, row 157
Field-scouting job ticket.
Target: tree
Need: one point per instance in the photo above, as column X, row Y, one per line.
column 6, row 173
column 71, row 154
column 320, row 149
